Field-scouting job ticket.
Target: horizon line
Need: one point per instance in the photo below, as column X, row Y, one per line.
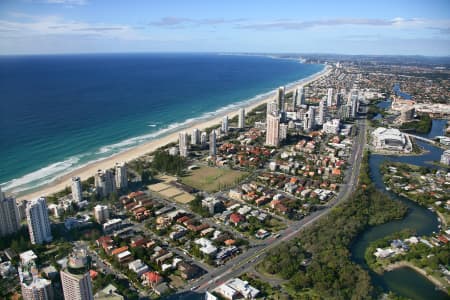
column 224, row 52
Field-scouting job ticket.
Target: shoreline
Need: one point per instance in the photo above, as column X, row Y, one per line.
column 88, row 170
column 406, row 264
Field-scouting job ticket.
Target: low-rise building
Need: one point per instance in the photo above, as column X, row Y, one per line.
column 332, row 127
column 27, row 256
column 151, row 278
column 207, row 247
column 108, row 293
column 188, row 271
column 112, row 225
column 138, row 267
column 445, row 158
column 234, row 287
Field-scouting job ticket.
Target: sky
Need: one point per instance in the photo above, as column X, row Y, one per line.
column 394, row 27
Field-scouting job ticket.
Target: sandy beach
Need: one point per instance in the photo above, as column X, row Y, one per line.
column 131, row 154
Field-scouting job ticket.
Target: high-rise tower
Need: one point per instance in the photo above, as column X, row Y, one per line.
column 38, row 221
column 212, row 143
column 183, row 144
column 272, row 130
column 121, row 176
column 241, row 121
column 77, row 194
column 9, row 215
column 75, row 278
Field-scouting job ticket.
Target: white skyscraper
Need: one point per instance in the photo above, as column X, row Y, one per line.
column 195, row 137
column 203, row 138
column 225, row 125
column 272, row 108
column 101, row 213
column 218, row 132
column 77, row 193
column 9, row 215
column 212, row 143
column 183, row 144
column 281, row 100
column 38, row 221
column 241, row 121
column 272, row 130
column 322, row 112
column 121, row 176
column 309, row 120
column 104, row 183
column 75, row 279
column 301, row 96
column 330, row 97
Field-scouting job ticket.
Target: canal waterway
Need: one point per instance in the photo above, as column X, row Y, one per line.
column 404, row 281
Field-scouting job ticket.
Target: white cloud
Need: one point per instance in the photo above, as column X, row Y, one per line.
column 67, row 2
column 54, row 25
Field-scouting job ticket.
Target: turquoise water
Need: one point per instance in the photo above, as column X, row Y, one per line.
column 61, row 112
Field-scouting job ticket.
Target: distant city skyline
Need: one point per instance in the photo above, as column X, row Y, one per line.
column 346, row 27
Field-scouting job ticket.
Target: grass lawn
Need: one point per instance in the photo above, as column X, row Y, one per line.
column 211, row 179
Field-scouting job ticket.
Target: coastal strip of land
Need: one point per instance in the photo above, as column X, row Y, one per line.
column 89, row 170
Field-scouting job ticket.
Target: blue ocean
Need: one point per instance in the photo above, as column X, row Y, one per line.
column 60, row 112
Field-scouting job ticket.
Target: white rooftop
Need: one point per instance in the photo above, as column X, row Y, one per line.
column 27, row 256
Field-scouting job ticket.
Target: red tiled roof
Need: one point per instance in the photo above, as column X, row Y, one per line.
column 236, row 218
column 153, row 277
column 119, row 250
column 93, row 274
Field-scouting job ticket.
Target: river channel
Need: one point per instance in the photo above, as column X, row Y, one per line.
column 404, row 281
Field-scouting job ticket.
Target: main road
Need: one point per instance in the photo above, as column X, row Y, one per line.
column 255, row 254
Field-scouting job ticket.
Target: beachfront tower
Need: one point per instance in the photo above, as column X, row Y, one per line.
column 295, row 100
column 183, row 144
column 121, row 176
column 75, row 278
column 330, row 97
column 9, row 215
column 104, row 183
column 322, row 112
column 301, row 96
column 195, row 137
column 272, row 108
column 212, row 143
column 281, row 96
column 38, row 221
column 241, row 121
column 272, row 130
column 225, row 125
column 203, row 138
column 77, row 193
